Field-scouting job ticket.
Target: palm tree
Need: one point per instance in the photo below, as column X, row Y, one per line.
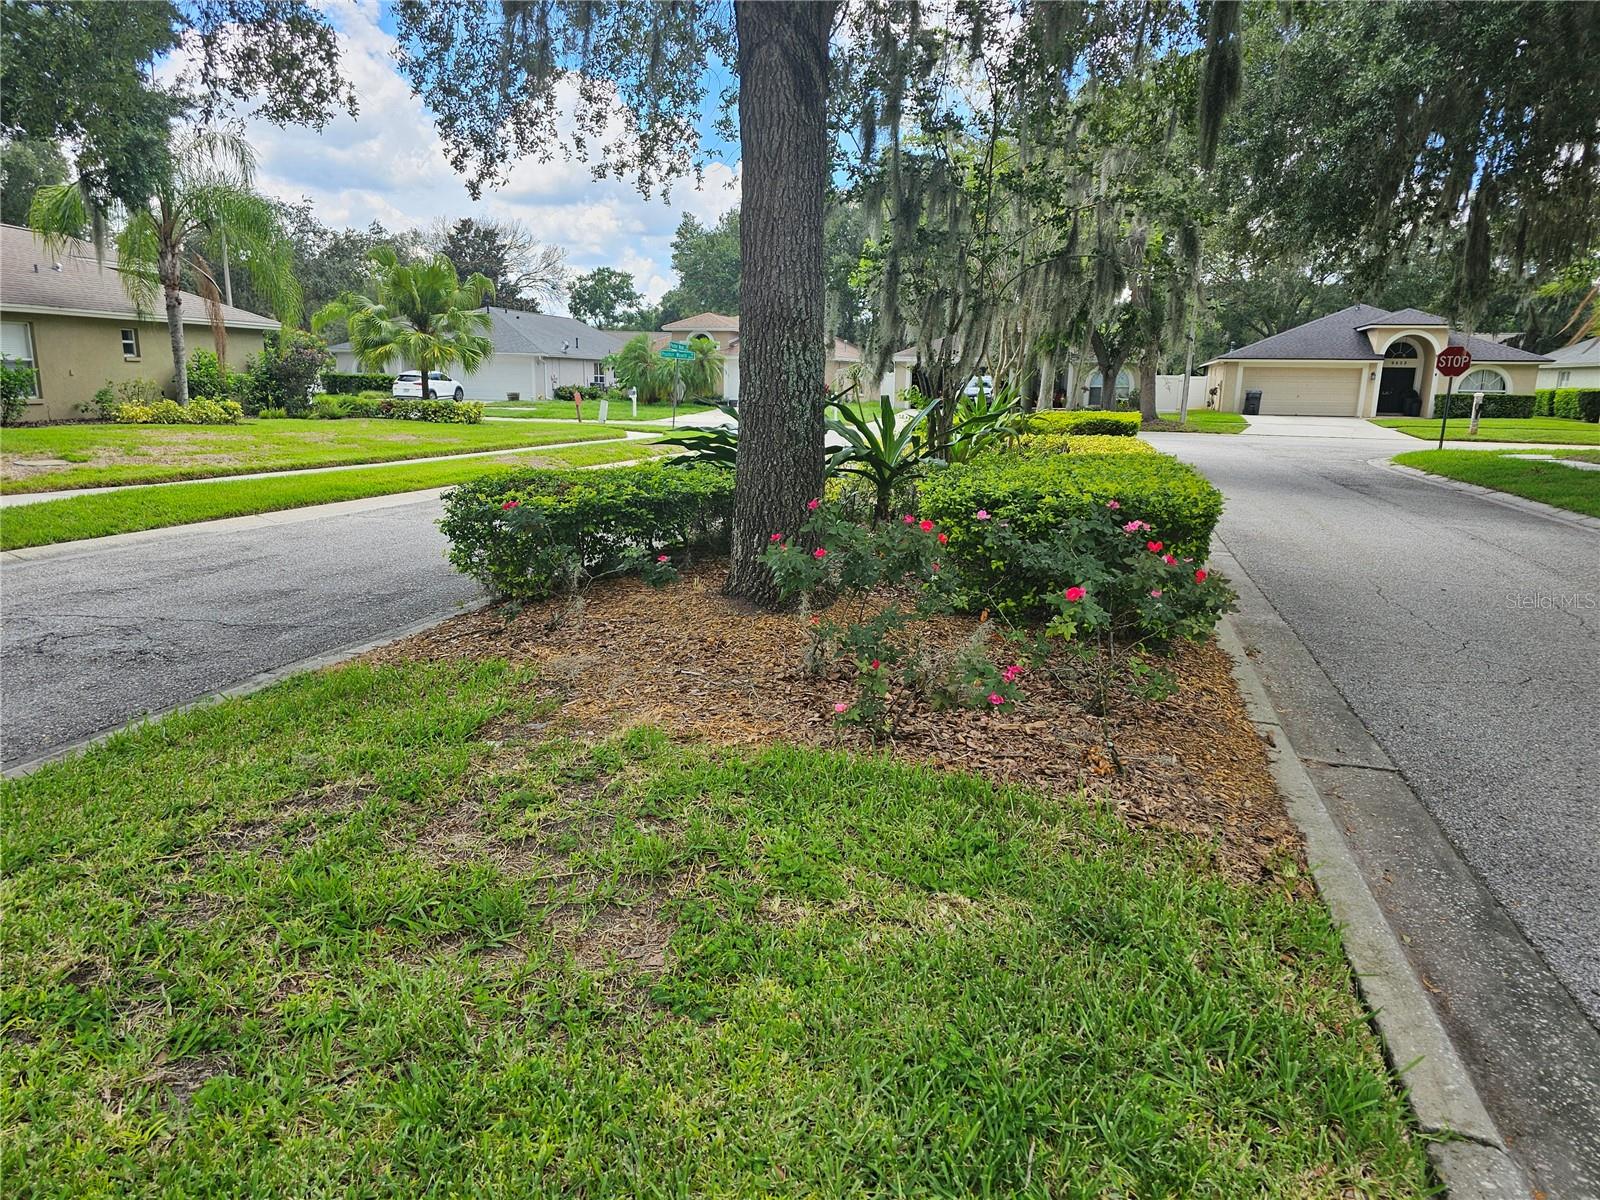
column 638, row 366
column 421, row 313
column 204, row 195
column 703, row 376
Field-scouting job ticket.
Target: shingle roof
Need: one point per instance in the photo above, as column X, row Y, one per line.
column 1407, row 316
column 1580, row 354
column 30, row 280
column 709, row 321
column 515, row 332
column 1338, row 337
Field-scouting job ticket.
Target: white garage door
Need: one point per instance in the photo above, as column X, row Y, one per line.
column 1306, row 391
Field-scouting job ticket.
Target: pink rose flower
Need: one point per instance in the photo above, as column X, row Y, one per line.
column 982, row 514
column 510, row 504
column 1113, row 505
column 1169, row 560
column 841, row 706
column 1155, row 593
column 1200, row 575
column 996, row 699
column 812, row 505
column 1153, row 547
column 661, row 558
column 819, row 552
column 943, row 538
column 777, row 537
column 1074, row 594
column 925, row 525
column 908, row 519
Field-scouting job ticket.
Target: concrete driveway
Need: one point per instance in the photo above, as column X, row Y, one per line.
column 1463, row 635
column 1341, row 428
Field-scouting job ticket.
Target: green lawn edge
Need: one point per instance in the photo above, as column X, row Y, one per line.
column 1556, row 430
column 1549, row 483
column 435, row 441
column 1205, row 420
column 132, row 510
column 371, row 931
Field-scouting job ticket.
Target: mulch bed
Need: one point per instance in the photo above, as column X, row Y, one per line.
column 689, row 660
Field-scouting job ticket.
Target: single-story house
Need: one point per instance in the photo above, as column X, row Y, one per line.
column 1360, row 362
column 724, row 331
column 1574, row 366
column 68, row 318
column 534, row 353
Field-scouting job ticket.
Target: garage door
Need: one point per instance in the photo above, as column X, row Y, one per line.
column 1306, row 391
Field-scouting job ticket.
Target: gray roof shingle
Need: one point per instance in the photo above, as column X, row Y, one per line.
column 1338, row 337
column 515, row 332
column 30, row 281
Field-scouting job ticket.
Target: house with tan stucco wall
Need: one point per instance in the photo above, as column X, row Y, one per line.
column 1361, row 362
column 68, row 318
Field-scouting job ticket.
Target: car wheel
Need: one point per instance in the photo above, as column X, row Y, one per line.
column 460, row 395
column 432, row 395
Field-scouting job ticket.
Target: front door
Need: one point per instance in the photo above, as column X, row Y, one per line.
column 1394, row 390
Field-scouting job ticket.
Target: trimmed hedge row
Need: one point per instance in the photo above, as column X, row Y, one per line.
column 398, row 408
column 1495, row 404
column 1042, row 445
column 1573, row 404
column 530, row 534
column 341, row 383
column 1036, row 497
column 1084, row 421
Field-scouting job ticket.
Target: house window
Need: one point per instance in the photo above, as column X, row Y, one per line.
column 130, row 343
column 1401, row 350
column 1563, row 378
column 1482, row 380
column 16, row 348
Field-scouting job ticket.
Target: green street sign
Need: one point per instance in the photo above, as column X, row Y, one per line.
column 677, row 345
column 678, row 355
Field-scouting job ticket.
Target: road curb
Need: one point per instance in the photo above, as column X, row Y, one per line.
column 1520, row 503
column 255, row 683
column 1473, row 1162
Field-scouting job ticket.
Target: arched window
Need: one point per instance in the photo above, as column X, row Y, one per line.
column 1401, row 350
column 1484, row 379
column 1124, row 389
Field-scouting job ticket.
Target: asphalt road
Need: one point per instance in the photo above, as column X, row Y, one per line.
column 1465, row 634
column 97, row 637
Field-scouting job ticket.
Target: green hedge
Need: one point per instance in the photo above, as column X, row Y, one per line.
column 1085, row 421
column 1037, row 496
column 1042, row 445
column 340, row 383
column 1572, row 404
column 529, row 534
column 1495, row 404
column 398, row 408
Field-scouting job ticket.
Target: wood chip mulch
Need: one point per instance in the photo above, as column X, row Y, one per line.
column 688, row 659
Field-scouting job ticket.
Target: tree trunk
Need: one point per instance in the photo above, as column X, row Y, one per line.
column 172, row 293
column 1147, row 387
column 783, row 137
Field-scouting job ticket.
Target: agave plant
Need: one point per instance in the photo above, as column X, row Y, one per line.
column 716, row 444
column 881, row 449
column 981, row 422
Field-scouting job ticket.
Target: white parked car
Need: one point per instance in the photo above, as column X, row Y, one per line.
column 980, row 384
column 408, row 385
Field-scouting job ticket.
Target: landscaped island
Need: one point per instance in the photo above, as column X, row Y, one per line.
column 963, row 875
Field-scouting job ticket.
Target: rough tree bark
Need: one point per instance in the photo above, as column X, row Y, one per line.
column 172, row 294
column 783, row 138
column 1147, row 387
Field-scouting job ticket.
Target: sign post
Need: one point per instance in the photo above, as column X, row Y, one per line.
column 1450, row 362
column 677, row 353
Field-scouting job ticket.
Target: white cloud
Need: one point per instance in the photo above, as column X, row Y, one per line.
column 388, row 165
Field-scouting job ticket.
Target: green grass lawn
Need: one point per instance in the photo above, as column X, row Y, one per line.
column 562, row 410
column 104, row 455
column 371, row 933
column 1550, row 483
column 73, row 518
column 1498, row 429
column 1205, row 420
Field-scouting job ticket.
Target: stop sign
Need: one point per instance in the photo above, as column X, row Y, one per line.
column 1453, row 361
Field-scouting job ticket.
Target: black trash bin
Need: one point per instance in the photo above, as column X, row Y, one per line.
column 1413, row 404
column 1252, row 404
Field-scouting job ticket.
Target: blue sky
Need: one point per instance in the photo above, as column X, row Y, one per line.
column 388, row 165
